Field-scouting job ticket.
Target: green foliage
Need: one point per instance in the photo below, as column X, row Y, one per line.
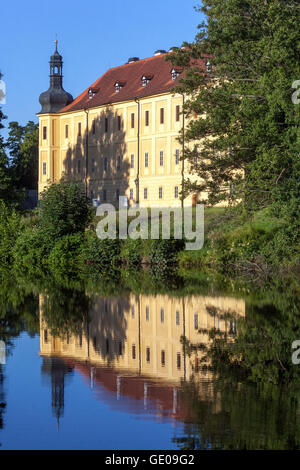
column 64, row 258
column 164, row 252
column 132, row 252
column 64, row 210
column 102, row 252
column 30, row 252
column 9, row 231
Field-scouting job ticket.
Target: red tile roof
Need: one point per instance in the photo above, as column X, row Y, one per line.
column 130, row 74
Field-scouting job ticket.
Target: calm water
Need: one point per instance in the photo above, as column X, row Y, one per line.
column 87, row 371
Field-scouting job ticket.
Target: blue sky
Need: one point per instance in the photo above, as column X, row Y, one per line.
column 93, row 36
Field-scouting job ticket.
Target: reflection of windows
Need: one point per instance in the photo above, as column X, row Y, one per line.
column 148, row 354
column 196, row 321
column 132, row 161
column 105, row 164
column 178, row 361
column 93, row 165
column 106, row 124
column 46, row 336
column 118, row 162
column 176, row 192
column 147, row 313
column 160, row 192
column 104, row 194
column 78, row 166
column 107, row 345
column 133, row 352
column 145, row 193
column 162, row 315
column 117, row 194
column 177, row 317
column 131, row 194
column 95, row 342
column 163, row 358
column 120, row 348
column 232, row 327
column 132, row 311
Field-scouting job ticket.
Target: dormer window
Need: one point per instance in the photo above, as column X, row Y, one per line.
column 146, row 79
column 119, row 86
column 208, row 66
column 175, row 73
column 92, row 92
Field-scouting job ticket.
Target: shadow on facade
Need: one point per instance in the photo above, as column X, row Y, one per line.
column 98, row 158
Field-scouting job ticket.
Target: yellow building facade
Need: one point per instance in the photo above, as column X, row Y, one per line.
column 119, row 137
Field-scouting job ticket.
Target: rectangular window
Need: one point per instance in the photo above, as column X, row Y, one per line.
column 160, row 193
column 105, row 164
column 79, row 129
column 104, row 194
column 131, row 194
column 145, row 193
column 162, row 115
column 177, row 113
column 118, row 162
column 66, row 131
column 133, row 352
column 44, row 168
column 163, row 358
column 147, row 313
column 132, row 120
column 44, row 132
column 119, row 123
column 94, row 127
column 162, row 315
column 146, row 160
column 161, row 158
column 177, row 317
column 177, row 157
column 78, row 166
column 176, row 192
column 146, row 118
column 148, row 354
column 132, row 161
column 178, row 361
column 196, row 326
column 106, row 124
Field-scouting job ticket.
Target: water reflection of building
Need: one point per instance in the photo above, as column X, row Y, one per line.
column 132, row 345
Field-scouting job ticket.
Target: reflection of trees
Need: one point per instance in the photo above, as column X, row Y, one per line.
column 100, row 166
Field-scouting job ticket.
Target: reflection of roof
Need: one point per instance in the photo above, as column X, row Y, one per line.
column 161, row 399
column 131, row 74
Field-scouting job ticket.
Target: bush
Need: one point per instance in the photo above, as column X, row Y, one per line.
column 105, row 252
column 9, row 231
column 30, row 251
column 163, row 252
column 132, row 251
column 65, row 256
column 64, row 210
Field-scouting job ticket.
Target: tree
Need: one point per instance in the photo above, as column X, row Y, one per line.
column 244, row 141
column 5, row 178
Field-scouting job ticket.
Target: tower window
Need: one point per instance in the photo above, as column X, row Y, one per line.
column 162, row 315
column 177, row 317
column 44, row 132
column 94, row 127
column 163, row 358
column 146, row 160
column 106, row 124
column 160, row 192
column 196, row 326
column 177, row 157
column 161, row 158
column 119, row 123
column 79, row 129
column 147, row 313
column 146, row 118
column 132, row 161
column 132, row 120
column 176, row 192
column 66, row 131
column 177, row 113
column 145, row 193
column 148, row 354
column 132, row 312
column 78, row 166
column 44, row 168
column 162, row 115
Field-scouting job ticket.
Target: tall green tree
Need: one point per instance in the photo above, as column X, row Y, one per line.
column 5, row 178
column 244, row 140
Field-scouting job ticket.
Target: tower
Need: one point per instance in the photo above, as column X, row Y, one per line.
column 52, row 101
column 55, row 98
